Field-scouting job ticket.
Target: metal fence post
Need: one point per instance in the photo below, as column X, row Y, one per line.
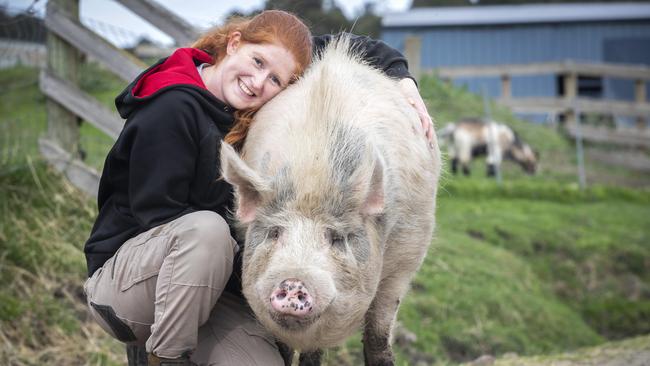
column 580, row 154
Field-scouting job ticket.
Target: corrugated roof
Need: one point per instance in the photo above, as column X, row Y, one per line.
column 517, row 14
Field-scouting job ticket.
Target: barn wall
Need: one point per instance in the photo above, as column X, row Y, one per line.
column 627, row 42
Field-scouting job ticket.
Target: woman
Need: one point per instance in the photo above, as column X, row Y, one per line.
column 161, row 251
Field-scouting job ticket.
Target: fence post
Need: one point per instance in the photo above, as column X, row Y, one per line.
column 412, row 51
column 640, row 98
column 63, row 61
column 580, row 152
column 570, row 81
column 506, row 86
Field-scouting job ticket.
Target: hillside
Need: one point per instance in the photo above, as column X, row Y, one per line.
column 532, row 267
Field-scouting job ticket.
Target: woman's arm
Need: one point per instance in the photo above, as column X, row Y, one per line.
column 376, row 52
column 391, row 62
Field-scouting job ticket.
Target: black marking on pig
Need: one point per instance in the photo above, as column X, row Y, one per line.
column 346, row 153
column 377, row 349
column 360, row 246
column 312, row 358
column 256, row 235
column 284, row 191
column 286, row 352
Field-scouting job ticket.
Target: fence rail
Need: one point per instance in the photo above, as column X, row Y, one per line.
column 82, row 105
column 177, row 28
column 566, row 106
column 67, row 104
column 86, row 41
column 641, row 72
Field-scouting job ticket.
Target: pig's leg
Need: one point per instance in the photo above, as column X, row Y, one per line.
column 380, row 318
column 286, row 352
column 310, row 358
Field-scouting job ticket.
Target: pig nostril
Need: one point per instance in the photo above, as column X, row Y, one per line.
column 281, row 295
column 301, row 297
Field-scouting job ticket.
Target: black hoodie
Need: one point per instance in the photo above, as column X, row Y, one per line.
column 165, row 163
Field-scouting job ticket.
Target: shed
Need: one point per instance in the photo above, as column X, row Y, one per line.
column 531, row 33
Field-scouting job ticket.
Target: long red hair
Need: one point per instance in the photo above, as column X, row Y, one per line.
column 270, row 26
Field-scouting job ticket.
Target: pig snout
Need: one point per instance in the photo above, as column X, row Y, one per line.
column 291, row 297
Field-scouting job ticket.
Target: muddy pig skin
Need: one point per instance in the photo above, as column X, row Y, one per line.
column 336, row 191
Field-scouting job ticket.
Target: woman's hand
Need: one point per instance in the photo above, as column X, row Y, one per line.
column 410, row 91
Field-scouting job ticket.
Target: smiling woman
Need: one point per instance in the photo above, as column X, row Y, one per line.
column 255, row 59
column 251, row 74
column 163, row 263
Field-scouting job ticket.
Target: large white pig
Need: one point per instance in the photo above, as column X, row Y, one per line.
column 336, row 189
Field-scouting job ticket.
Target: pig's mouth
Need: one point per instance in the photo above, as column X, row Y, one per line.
column 292, row 322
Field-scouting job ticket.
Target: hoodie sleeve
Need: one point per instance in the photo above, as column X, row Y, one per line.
column 164, row 149
column 376, row 52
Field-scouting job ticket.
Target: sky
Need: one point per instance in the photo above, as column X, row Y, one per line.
column 120, row 26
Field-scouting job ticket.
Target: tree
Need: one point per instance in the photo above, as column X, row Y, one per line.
column 324, row 16
column 368, row 23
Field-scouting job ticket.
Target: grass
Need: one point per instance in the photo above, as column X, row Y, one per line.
column 634, row 351
column 43, row 224
column 534, row 266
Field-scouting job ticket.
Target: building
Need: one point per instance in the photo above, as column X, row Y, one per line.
column 531, row 33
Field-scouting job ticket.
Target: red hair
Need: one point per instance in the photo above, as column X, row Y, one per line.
column 270, row 26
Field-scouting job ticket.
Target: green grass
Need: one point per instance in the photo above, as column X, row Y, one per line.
column 533, row 266
column 633, row 351
column 44, row 222
column 583, row 253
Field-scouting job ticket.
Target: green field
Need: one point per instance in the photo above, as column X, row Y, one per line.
column 534, row 266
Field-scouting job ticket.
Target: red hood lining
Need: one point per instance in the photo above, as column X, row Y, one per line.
column 179, row 68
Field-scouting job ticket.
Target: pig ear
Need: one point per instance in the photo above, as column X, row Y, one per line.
column 247, row 183
column 374, row 201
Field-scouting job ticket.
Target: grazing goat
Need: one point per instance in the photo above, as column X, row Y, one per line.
column 474, row 137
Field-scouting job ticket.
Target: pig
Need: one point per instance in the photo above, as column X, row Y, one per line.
column 335, row 189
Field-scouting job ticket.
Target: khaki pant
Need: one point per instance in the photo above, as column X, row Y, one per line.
column 163, row 289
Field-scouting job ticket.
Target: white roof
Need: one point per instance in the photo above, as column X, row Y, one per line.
column 517, row 14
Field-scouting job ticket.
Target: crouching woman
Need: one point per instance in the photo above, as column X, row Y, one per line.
column 162, row 259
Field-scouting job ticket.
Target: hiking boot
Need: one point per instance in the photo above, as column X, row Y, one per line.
column 159, row 361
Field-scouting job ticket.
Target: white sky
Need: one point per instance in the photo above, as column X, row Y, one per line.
column 119, row 25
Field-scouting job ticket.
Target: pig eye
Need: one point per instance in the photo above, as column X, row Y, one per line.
column 274, row 233
column 336, row 239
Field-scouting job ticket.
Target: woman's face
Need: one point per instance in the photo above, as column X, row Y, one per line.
column 251, row 74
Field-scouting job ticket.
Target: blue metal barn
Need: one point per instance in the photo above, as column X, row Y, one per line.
column 521, row 34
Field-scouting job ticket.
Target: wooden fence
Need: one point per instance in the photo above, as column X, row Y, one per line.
column 67, row 105
column 570, row 104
